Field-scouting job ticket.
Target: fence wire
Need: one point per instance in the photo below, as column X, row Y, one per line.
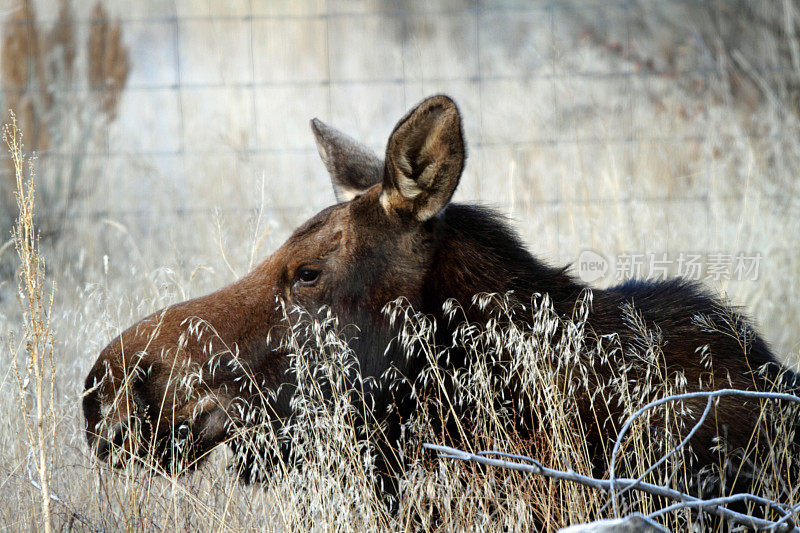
column 214, row 82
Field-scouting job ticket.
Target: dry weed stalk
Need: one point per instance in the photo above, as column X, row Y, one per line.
column 108, row 60
column 37, row 306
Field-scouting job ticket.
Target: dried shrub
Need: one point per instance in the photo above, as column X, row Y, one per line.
column 33, row 361
column 41, row 79
column 108, row 61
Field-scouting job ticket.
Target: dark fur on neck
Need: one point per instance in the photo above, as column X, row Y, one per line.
column 480, row 253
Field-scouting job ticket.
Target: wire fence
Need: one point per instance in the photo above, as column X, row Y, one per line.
column 521, row 71
column 638, row 118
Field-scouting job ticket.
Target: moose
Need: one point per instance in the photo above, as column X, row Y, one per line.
column 393, row 233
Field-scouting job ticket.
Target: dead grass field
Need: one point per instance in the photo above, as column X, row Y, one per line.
column 621, row 129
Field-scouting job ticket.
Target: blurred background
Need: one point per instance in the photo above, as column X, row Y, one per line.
column 172, row 154
column 173, row 149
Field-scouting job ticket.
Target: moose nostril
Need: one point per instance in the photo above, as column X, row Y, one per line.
column 103, row 436
column 104, row 443
column 91, row 413
column 117, row 436
column 100, row 444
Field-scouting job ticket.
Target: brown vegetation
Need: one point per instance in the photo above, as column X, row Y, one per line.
column 44, row 86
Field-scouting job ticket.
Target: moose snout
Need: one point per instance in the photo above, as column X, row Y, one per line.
column 104, row 442
column 91, row 410
column 133, row 413
column 113, row 424
column 110, row 440
column 119, row 425
column 163, row 389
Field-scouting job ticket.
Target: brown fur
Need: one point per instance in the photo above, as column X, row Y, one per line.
column 393, row 235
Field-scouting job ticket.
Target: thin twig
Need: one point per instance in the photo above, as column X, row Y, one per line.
column 672, row 452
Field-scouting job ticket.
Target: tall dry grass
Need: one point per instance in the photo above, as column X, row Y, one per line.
column 328, row 480
column 522, row 390
column 33, row 361
column 60, row 102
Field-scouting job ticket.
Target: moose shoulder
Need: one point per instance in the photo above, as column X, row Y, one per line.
column 393, row 234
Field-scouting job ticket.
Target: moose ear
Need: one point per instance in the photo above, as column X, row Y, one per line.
column 352, row 166
column 424, row 159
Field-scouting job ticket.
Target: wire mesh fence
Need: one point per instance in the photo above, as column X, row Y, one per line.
column 630, row 138
column 615, row 126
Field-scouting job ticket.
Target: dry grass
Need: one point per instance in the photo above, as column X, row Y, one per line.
column 33, row 363
column 318, row 468
column 334, row 487
column 738, row 170
column 329, row 483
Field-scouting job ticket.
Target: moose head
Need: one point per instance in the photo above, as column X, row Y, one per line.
column 173, row 379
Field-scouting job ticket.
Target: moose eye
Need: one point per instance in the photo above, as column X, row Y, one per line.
column 306, row 276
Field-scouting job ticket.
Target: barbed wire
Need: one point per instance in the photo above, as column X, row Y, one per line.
column 612, row 485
